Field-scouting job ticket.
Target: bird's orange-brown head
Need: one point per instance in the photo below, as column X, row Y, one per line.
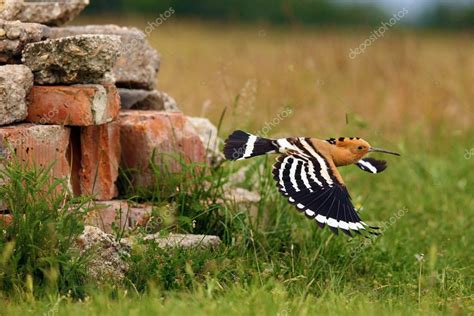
column 349, row 150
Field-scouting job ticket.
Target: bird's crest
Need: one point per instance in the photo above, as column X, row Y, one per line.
column 334, row 141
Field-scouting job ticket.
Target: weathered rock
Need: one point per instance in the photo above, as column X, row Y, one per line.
column 245, row 174
column 136, row 99
column 100, row 160
column 9, row 9
column 208, row 134
column 241, row 196
column 44, row 12
column 124, row 215
column 78, row 105
column 109, row 79
column 68, row 60
column 138, row 64
column 15, row 84
column 39, row 145
column 184, row 241
column 168, row 135
column 15, row 35
column 247, row 201
column 107, row 263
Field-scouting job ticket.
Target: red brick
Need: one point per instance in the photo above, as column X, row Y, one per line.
column 79, row 105
column 142, row 132
column 38, row 145
column 121, row 213
column 99, row 161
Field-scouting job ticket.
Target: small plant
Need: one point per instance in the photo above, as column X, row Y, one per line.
column 194, row 193
column 420, row 258
column 37, row 253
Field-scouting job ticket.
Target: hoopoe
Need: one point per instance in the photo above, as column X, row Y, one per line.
column 306, row 173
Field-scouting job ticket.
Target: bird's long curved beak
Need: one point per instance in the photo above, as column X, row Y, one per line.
column 379, row 150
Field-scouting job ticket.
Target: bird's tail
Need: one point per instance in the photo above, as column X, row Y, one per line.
column 241, row 145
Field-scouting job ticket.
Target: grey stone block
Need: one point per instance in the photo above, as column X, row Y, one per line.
column 184, row 241
column 51, row 13
column 209, row 137
column 71, row 60
column 15, row 84
column 15, row 35
column 147, row 100
column 138, row 64
column 109, row 264
column 10, row 9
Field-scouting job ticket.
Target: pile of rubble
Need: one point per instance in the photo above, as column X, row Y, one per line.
column 85, row 99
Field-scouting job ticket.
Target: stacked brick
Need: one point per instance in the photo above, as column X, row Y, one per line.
column 85, row 99
column 71, row 91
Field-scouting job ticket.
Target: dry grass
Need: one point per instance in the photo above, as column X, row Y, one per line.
column 406, row 81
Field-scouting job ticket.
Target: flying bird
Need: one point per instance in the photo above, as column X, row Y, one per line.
column 306, row 173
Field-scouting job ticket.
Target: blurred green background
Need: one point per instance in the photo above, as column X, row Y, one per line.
column 426, row 13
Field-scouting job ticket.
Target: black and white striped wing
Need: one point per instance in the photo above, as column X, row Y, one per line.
column 305, row 177
column 372, row 165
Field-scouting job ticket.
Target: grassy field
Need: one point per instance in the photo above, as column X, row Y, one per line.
column 410, row 92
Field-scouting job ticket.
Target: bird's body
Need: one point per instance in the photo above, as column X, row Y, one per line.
column 306, row 173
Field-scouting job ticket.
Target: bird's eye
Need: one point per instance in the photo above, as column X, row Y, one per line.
column 360, row 147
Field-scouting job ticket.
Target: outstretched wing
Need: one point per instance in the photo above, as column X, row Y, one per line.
column 372, row 165
column 312, row 183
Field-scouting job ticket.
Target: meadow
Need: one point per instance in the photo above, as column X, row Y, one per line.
column 410, row 91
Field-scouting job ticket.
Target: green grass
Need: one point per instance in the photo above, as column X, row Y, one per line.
column 409, row 93
column 37, row 253
column 282, row 264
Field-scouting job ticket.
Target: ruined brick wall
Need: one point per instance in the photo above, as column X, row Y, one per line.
column 85, row 98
